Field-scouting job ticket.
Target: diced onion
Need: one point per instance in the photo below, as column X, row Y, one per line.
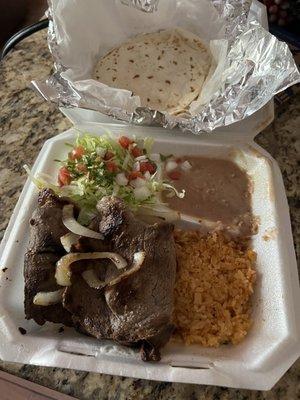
column 155, row 157
column 138, row 182
column 186, row 166
column 101, row 151
column 48, row 298
column 92, row 280
column 68, row 240
column 171, row 165
column 121, row 179
column 70, row 223
column 141, row 193
column 140, row 158
column 63, row 272
column 138, row 260
column 136, row 166
column 147, row 175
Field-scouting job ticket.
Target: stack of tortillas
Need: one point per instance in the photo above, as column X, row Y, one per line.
column 165, row 69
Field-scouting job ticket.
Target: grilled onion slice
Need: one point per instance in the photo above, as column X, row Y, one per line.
column 70, row 223
column 48, row 298
column 63, row 271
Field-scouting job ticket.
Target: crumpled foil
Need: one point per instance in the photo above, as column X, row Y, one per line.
column 235, row 12
column 256, row 67
column 142, row 5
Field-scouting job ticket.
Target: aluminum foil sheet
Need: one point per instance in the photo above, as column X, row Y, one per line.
column 252, row 65
column 235, row 12
column 143, row 5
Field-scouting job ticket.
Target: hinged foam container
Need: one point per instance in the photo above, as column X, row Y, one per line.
column 271, row 346
column 273, row 343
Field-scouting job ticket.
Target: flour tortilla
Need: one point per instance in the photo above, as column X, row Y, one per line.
column 165, row 69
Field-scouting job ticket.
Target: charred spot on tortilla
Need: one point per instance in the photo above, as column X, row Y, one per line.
column 22, row 330
column 132, row 61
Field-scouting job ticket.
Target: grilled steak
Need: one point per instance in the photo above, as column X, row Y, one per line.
column 44, row 251
column 138, row 309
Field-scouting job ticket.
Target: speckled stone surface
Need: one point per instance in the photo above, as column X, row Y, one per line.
column 25, row 122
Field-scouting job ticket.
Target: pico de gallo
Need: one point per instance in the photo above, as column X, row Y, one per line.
column 125, row 167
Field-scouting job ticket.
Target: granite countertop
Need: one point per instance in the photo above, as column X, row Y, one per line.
column 26, row 121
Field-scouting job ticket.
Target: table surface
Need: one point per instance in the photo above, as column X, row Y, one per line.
column 26, row 121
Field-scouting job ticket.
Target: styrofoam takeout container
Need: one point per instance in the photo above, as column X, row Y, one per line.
column 269, row 349
column 273, row 343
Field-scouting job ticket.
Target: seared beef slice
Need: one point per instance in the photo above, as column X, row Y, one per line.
column 138, row 309
column 44, row 251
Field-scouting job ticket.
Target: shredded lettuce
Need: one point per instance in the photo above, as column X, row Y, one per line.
column 90, row 177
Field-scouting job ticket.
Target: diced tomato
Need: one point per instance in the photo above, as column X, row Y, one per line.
column 178, row 160
column 76, row 153
column 125, row 142
column 135, row 174
column 64, row 177
column 81, row 167
column 147, row 166
column 111, row 166
column 174, row 175
column 108, row 155
column 136, row 151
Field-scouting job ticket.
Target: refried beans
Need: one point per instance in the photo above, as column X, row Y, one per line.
column 215, row 190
